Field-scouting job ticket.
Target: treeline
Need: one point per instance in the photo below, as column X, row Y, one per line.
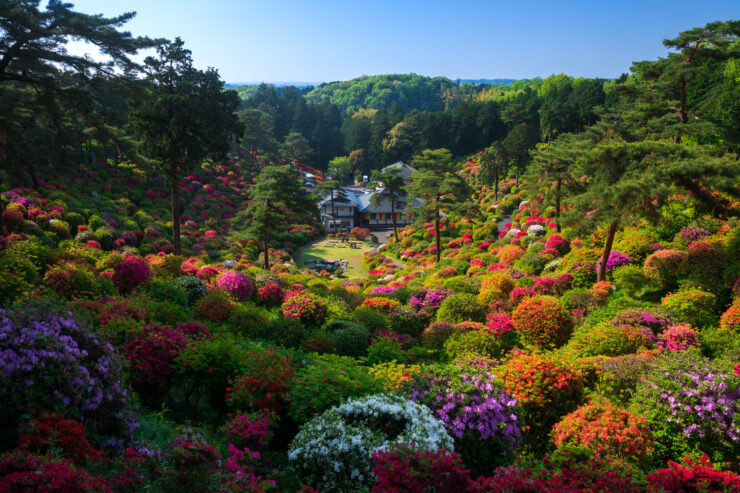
column 464, row 118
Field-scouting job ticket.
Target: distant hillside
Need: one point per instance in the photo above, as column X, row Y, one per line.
column 410, row 91
column 489, row 82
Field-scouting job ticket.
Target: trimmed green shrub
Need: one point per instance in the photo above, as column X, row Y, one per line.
column 461, row 307
column 352, row 341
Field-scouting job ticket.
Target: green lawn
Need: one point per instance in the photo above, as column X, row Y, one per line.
column 321, row 250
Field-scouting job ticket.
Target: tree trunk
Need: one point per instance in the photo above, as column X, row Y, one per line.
column 495, row 185
column 437, row 235
column 557, row 203
column 393, row 217
column 2, row 209
column 601, row 276
column 34, row 176
column 176, row 216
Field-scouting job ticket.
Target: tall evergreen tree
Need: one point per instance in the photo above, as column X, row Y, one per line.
column 441, row 189
column 392, row 191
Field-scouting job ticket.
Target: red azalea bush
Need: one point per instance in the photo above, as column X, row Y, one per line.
column 601, row 291
column 558, row 243
column 542, row 322
column 607, row 430
column 153, row 353
column 539, row 380
column 304, row 306
column 410, row 469
column 250, row 430
column 236, row 283
column 215, row 306
column 206, row 273
column 49, row 431
column 20, row 471
column 130, row 273
column 697, row 475
column 70, row 280
column 518, row 294
column 271, row 293
column 263, row 383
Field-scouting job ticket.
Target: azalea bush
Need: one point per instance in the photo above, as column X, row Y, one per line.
column 263, row 382
column 304, row 306
column 236, row 283
column 608, row 430
column 691, row 404
column 334, row 451
column 542, row 322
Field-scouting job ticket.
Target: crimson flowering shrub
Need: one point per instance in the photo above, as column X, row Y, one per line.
column 691, row 404
column 601, row 291
column 23, row 472
column 130, row 273
column 236, row 283
column 410, row 469
column 518, row 294
column 195, row 331
column 587, row 476
column 215, row 306
column 193, row 462
column 206, row 273
column 271, row 293
column 679, row 337
column 152, row 356
column 264, row 381
column 558, row 243
column 542, row 322
column 128, row 472
column 50, row 360
column 250, row 430
column 698, row 475
column 304, row 306
column 48, row 432
column 607, row 430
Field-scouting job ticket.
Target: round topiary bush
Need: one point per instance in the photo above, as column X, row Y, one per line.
column 542, row 322
column 370, row 319
column 679, row 337
column 607, row 430
column 666, row 266
column 352, row 340
column 236, row 283
column 333, row 452
column 473, row 342
column 304, row 306
column 495, row 288
column 694, row 306
column 436, row 334
column 608, row 339
column 461, row 307
column 130, row 273
column 194, row 287
column 215, row 306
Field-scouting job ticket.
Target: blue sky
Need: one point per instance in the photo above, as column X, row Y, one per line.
column 293, row 40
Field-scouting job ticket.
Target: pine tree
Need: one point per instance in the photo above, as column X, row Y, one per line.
column 393, row 191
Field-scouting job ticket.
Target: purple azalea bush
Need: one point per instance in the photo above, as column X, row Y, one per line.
column 691, row 403
column 693, row 233
column 428, row 300
column 616, row 259
column 49, row 361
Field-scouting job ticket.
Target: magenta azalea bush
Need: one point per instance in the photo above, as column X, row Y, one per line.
column 130, row 273
column 236, row 283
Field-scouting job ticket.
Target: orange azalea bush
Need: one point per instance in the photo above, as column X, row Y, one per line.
column 384, row 305
column 607, row 430
column 542, row 322
column 540, row 381
column 510, row 254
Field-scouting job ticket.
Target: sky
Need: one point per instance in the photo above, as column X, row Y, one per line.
column 323, row 41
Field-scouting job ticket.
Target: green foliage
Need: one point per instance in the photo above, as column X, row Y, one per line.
column 461, row 307
column 325, row 381
column 370, row 318
column 695, row 306
column 385, row 350
column 351, row 340
column 477, row 342
column 630, row 279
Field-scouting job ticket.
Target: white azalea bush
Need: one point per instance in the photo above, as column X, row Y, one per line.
column 536, row 230
column 333, row 451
